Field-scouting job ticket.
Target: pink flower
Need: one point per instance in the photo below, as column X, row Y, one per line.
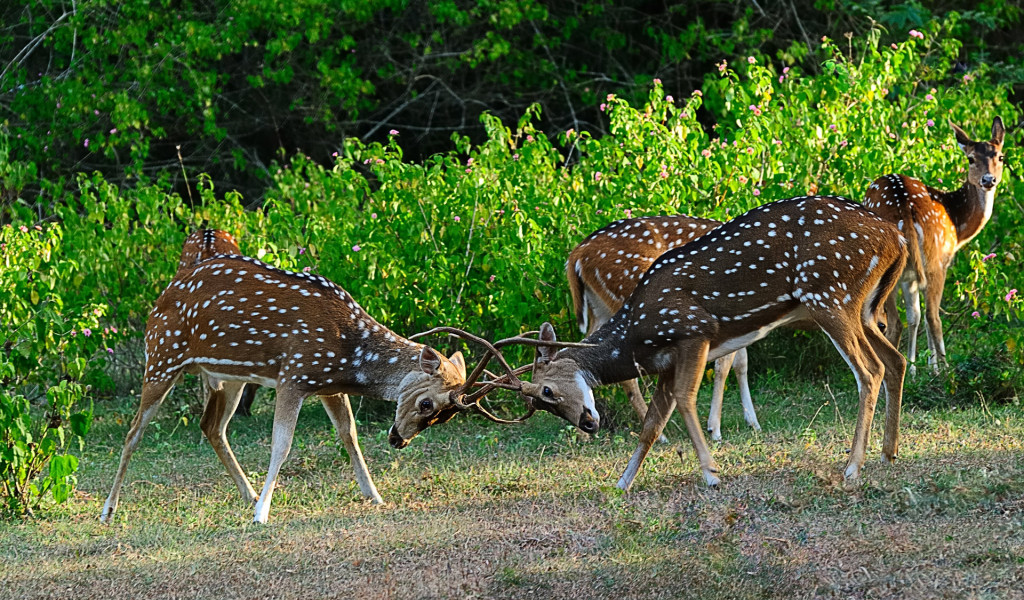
column 664, row 174
column 597, row 176
column 975, row 314
column 777, row 142
column 491, row 279
column 757, row 192
column 306, row 269
column 373, row 215
column 629, row 215
column 334, row 154
column 74, row 333
column 706, row 152
column 743, row 179
column 754, row 109
column 515, row 157
column 785, row 70
column 917, row 34
column 750, row 151
column 379, row 161
column 529, row 138
column 669, row 99
column 893, row 46
column 356, row 248
column 751, row 60
column 698, row 93
column 113, row 329
column 113, row 131
column 87, row 332
column 657, row 81
column 23, row 229
column 599, row 211
column 1011, row 294
column 930, row 123
column 609, row 98
column 86, row 142
column 603, row 106
column 722, row 66
column 988, row 257
column 929, row 97
column 456, row 218
column 110, row 350
column 393, row 132
column 832, row 127
column 302, row 250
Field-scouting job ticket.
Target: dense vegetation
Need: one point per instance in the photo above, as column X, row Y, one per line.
column 475, row 235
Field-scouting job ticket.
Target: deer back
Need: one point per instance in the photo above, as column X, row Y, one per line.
column 203, row 244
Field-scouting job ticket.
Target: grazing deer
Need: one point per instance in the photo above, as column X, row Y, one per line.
column 604, row 269
column 822, row 258
column 235, row 320
column 937, row 224
column 200, row 245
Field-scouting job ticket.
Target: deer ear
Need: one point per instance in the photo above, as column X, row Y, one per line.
column 430, row 360
column 460, row 363
column 547, row 334
column 965, row 141
column 998, row 131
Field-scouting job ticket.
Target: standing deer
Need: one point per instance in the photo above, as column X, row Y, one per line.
column 937, row 224
column 822, row 258
column 604, row 269
column 200, row 245
column 235, row 320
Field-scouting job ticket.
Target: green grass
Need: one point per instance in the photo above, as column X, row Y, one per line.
column 531, row 511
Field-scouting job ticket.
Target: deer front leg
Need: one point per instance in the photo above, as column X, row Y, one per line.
column 340, row 411
column 932, row 304
column 692, row 356
column 222, row 398
column 636, row 399
column 657, row 416
column 286, row 414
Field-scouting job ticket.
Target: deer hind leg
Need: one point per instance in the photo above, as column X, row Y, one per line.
column 932, row 304
column 636, row 400
column 853, row 344
column 912, row 299
column 153, row 394
column 895, row 366
column 893, row 324
column 221, row 400
column 340, row 411
column 722, row 367
column 286, row 415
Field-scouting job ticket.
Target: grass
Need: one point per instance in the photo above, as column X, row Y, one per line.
column 478, row 511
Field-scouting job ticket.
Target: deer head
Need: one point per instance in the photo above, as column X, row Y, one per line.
column 985, row 158
column 428, row 395
column 560, row 387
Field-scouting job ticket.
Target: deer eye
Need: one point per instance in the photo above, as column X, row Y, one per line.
column 1002, row 158
column 547, row 392
column 970, row 159
column 426, row 405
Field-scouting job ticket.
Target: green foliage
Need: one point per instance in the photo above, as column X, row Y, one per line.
column 35, row 465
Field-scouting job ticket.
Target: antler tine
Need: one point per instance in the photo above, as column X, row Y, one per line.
column 532, row 342
column 502, row 382
column 489, row 416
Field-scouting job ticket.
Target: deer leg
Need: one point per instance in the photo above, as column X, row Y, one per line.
column 689, row 367
column 740, row 367
column 895, row 366
column 912, row 299
column 340, row 411
column 286, row 414
column 221, row 400
column 932, row 303
column 722, row 367
column 636, row 400
column 655, row 420
column 852, row 343
column 153, row 394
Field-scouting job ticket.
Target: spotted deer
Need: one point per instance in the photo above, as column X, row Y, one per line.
column 235, row 320
column 821, row 258
column 200, row 245
column 937, row 224
column 604, row 269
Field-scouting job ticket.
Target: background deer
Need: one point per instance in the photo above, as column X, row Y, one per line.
column 235, row 320
column 604, row 269
column 204, row 244
column 822, row 258
column 937, row 224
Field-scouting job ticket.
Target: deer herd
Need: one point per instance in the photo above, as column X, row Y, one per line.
column 658, row 295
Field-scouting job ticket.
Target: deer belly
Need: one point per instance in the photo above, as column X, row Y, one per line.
column 220, row 374
column 732, row 344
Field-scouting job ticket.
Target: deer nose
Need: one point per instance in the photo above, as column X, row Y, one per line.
column 988, row 181
column 588, row 423
column 396, row 440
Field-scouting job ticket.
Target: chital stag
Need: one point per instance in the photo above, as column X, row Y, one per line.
column 604, row 269
column 204, row 244
column 237, row 320
column 822, row 258
column 937, row 224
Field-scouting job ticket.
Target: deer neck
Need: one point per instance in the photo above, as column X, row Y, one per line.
column 969, row 208
column 381, row 363
column 610, row 359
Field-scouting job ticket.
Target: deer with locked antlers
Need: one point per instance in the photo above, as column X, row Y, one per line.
column 937, row 224
column 235, row 320
column 820, row 258
column 604, row 269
